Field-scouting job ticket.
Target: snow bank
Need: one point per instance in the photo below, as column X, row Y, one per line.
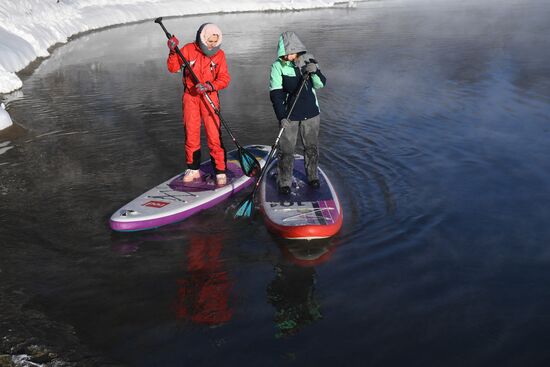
column 29, row 27
column 5, row 119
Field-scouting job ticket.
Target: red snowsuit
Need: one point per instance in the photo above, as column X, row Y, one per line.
column 208, row 69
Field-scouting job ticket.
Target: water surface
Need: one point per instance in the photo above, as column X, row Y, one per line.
column 435, row 133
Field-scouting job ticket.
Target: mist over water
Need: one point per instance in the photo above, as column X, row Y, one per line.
column 435, row 131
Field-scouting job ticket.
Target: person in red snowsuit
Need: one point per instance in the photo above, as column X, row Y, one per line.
column 209, row 64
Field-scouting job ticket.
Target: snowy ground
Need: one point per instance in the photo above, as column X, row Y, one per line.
column 29, row 27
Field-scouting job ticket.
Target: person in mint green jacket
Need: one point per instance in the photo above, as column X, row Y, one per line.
column 294, row 63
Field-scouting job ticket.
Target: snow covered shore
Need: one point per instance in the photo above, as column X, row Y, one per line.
column 5, row 119
column 29, row 27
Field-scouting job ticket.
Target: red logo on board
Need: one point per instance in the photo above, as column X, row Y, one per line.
column 156, row 204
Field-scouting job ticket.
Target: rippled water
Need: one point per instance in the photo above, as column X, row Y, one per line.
column 435, row 133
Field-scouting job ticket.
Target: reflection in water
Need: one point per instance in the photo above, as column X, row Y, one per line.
column 203, row 294
column 292, row 295
column 204, row 290
column 292, row 292
column 307, row 253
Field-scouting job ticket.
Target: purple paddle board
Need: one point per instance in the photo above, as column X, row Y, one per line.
column 173, row 201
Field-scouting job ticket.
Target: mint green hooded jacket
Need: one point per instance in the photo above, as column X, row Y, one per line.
column 286, row 77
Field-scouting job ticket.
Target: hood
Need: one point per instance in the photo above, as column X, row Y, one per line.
column 289, row 43
column 203, row 33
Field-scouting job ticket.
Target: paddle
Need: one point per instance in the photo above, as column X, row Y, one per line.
column 246, row 207
column 249, row 163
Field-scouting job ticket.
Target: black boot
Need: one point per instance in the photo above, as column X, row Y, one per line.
column 284, row 190
column 314, row 184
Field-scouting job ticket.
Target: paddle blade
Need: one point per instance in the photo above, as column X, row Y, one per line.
column 245, row 208
column 249, row 164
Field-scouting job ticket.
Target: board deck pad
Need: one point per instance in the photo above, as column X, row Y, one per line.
column 208, row 178
column 306, row 213
column 174, row 200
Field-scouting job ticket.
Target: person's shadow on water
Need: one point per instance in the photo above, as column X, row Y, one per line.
column 292, row 291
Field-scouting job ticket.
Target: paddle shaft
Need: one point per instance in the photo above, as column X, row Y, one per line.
column 197, row 81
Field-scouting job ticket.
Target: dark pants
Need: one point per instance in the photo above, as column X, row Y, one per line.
column 309, row 131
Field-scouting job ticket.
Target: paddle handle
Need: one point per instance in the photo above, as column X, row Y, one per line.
column 159, row 21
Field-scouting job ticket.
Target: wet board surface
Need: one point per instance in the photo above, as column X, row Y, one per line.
column 173, row 201
column 306, row 213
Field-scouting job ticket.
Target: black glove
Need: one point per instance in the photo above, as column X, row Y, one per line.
column 311, row 68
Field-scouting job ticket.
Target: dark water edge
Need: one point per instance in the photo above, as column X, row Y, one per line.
column 27, row 332
column 29, row 335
